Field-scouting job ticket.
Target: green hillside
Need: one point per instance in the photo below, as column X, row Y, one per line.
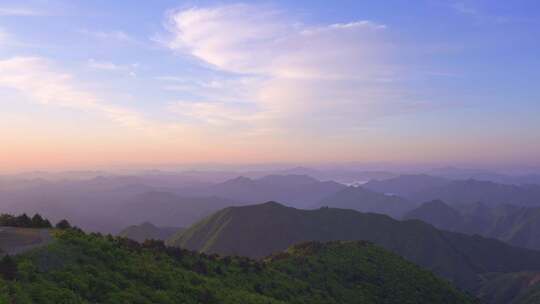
column 259, row 230
column 81, row 268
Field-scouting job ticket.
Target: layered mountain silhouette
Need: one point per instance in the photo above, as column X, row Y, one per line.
column 407, row 185
column 516, row 225
column 485, row 175
column 423, row 188
column 364, row 200
column 169, row 209
column 296, row 190
column 472, row 191
column 148, row 231
column 259, row 230
column 110, row 203
column 439, row 214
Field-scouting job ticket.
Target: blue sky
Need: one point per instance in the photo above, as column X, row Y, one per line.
column 87, row 83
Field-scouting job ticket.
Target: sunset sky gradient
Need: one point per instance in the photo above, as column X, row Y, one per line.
column 87, row 84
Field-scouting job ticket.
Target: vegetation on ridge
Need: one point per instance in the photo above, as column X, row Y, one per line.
column 90, row 268
column 260, row 230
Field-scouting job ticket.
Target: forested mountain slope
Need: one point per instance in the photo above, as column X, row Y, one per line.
column 79, row 268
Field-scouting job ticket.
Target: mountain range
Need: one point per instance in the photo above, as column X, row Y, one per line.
column 110, row 203
column 364, row 200
column 259, row 230
column 516, row 225
column 423, row 188
column 297, row 190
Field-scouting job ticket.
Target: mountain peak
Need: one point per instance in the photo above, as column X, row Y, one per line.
column 438, row 213
column 239, row 180
column 273, row 204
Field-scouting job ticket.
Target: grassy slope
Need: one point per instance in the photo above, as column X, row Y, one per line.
column 80, row 268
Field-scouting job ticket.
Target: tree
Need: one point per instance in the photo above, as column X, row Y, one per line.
column 6, row 220
column 23, row 221
column 8, row 268
column 63, row 224
column 39, row 222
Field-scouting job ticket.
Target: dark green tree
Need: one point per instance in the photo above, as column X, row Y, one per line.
column 6, row 220
column 63, row 224
column 23, row 221
column 39, row 222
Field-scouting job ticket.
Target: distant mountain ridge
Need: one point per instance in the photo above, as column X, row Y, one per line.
column 472, row 191
column 107, row 203
column 423, row 188
column 296, row 190
column 407, row 185
column 485, row 175
column 169, row 209
column 438, row 214
column 516, row 225
column 148, row 231
column 364, row 200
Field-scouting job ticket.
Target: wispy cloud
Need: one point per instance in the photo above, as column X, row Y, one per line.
column 222, row 114
column 298, row 74
column 36, row 78
column 363, row 23
column 468, row 9
column 20, row 11
column 116, row 35
column 129, row 69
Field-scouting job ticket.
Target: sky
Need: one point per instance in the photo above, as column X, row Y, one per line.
column 87, row 84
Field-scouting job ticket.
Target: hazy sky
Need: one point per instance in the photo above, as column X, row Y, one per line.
column 87, row 83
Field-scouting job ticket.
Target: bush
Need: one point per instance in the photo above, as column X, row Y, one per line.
column 8, row 268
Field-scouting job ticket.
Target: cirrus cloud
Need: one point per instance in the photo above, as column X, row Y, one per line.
column 20, row 12
column 36, row 78
column 303, row 75
column 110, row 36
